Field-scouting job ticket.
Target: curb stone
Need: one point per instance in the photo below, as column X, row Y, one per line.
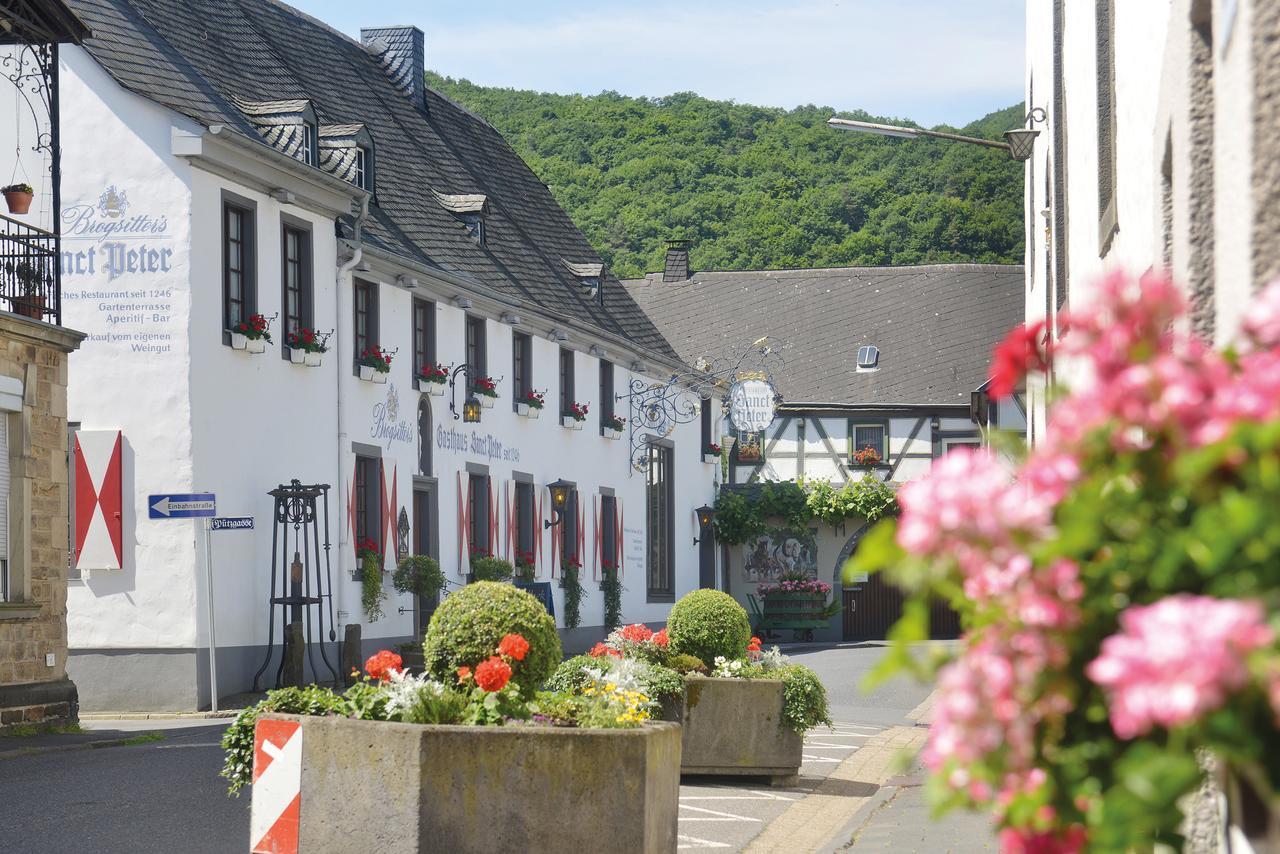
column 65, row 748
column 818, row 819
column 159, row 716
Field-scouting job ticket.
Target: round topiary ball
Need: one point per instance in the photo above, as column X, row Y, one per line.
column 466, row 628
column 709, row 623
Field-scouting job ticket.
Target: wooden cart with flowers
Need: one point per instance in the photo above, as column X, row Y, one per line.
column 795, row 603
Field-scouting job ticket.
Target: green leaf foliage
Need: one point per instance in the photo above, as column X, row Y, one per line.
column 756, row 187
column 707, row 624
column 741, row 518
column 419, row 575
column 470, row 622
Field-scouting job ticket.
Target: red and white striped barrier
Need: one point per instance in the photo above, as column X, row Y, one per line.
column 277, row 787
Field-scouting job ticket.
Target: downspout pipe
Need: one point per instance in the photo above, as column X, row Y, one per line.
column 343, row 271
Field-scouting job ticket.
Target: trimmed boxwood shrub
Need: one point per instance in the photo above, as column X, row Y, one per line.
column 466, row 628
column 709, row 623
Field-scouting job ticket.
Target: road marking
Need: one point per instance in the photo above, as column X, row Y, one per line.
column 723, row 816
column 808, row 758
column 698, row 843
column 758, row 796
column 177, row 746
column 823, row 744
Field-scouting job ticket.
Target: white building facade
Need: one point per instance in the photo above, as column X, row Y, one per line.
column 176, row 228
column 1158, row 151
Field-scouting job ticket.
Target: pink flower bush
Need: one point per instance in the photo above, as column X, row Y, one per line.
column 1176, row 660
column 807, row 585
column 1154, row 482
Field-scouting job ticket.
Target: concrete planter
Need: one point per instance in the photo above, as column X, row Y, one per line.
column 735, row 726
column 487, row 400
column 390, row 787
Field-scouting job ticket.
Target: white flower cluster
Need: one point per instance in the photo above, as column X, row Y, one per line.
column 404, row 691
column 628, row 674
column 773, row 659
column 726, row 669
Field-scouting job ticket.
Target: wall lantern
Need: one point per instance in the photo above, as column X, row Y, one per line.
column 706, row 515
column 559, row 500
column 1022, row 140
column 470, row 404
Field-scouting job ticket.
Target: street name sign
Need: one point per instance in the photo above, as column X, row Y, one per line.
column 182, row 505
column 231, row 523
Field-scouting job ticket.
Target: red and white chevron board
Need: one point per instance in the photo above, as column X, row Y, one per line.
column 277, row 787
column 99, row 499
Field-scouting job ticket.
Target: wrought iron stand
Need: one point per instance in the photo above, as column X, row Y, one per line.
column 305, row 582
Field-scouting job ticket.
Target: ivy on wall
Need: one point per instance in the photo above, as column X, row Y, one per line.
column 740, row 518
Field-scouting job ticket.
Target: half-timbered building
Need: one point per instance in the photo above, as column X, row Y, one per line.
column 881, row 370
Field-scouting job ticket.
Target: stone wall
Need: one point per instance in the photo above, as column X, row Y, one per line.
column 33, row 624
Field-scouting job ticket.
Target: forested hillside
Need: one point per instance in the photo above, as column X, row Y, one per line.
column 757, row 187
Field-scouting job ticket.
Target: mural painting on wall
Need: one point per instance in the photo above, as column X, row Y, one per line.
column 751, row 447
column 770, row 555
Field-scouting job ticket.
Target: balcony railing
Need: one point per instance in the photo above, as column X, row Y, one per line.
column 30, row 274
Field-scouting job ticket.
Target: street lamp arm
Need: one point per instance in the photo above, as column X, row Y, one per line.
column 910, row 133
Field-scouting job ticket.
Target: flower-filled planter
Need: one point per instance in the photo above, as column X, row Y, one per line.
column 530, row 406
column 613, row 427
column 375, row 364
column 307, row 347
column 466, row 756
column 433, row 379
column 18, row 197
column 252, row 335
column 745, row 715
column 486, row 389
column 796, row 600
column 867, row 456
column 575, row 417
column 711, row 453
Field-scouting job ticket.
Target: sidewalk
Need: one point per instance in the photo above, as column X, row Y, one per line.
column 54, row 742
column 898, row 819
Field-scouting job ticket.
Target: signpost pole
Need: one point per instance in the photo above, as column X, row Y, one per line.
column 213, row 640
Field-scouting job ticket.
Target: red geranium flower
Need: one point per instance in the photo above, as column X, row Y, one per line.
column 493, row 674
column 600, row 649
column 513, row 646
column 1023, row 350
column 660, row 638
column 464, row 673
column 381, row 664
column 636, row 632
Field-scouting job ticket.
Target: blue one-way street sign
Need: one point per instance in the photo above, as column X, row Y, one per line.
column 182, row 506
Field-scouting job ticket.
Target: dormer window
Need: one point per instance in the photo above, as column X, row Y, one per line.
column 475, row 227
column 588, row 276
column 310, row 154
column 868, row 358
column 364, row 169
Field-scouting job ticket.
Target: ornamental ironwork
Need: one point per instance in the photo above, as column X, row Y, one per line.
column 658, row 407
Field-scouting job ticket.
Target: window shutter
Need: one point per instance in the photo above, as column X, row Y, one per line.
column 597, row 540
column 555, row 546
column 617, row 540
column 99, row 499
column 464, row 505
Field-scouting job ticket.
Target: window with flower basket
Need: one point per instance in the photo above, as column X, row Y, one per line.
column 297, row 283
column 365, row 306
column 424, row 334
column 239, row 262
column 868, row 443
column 521, row 369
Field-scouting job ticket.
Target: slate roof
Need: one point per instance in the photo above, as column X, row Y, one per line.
column 935, row 326
column 203, row 57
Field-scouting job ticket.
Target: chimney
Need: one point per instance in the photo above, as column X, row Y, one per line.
column 676, row 268
column 402, row 53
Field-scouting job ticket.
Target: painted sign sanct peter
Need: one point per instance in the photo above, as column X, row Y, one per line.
column 752, row 404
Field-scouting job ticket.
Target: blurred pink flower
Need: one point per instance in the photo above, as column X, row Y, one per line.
column 1176, row 660
column 1261, row 329
column 1020, row 840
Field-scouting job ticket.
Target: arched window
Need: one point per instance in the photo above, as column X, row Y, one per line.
column 424, row 436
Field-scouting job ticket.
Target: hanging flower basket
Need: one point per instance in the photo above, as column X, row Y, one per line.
column 252, row 335
column 611, row 434
column 486, row 389
column 530, row 406
column 306, row 346
column 375, row 364
column 368, row 373
column 613, row 426
column 433, row 379
column 711, row 453
column 575, row 417
column 570, row 422
column 18, row 197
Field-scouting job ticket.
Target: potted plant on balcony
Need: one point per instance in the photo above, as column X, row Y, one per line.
column 401, row 752
column 530, row 406
column 867, row 457
column 252, row 335
column 433, row 379
column 18, row 197
column 34, row 283
column 612, row 427
column 307, row 347
column 711, row 453
column 375, row 364
column 576, row 415
column 486, row 389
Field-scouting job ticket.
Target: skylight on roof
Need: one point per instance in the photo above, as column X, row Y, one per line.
column 868, row 358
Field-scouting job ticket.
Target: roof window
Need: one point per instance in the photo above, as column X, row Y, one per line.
column 868, row 358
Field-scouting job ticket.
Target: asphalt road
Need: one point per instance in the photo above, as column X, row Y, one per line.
column 166, row 796
column 161, row 796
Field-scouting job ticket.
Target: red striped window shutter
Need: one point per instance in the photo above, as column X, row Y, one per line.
column 464, row 504
column 617, row 537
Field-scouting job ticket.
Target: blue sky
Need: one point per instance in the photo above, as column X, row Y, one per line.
column 932, row 61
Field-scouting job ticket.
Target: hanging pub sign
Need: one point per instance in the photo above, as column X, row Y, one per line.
column 752, row 403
